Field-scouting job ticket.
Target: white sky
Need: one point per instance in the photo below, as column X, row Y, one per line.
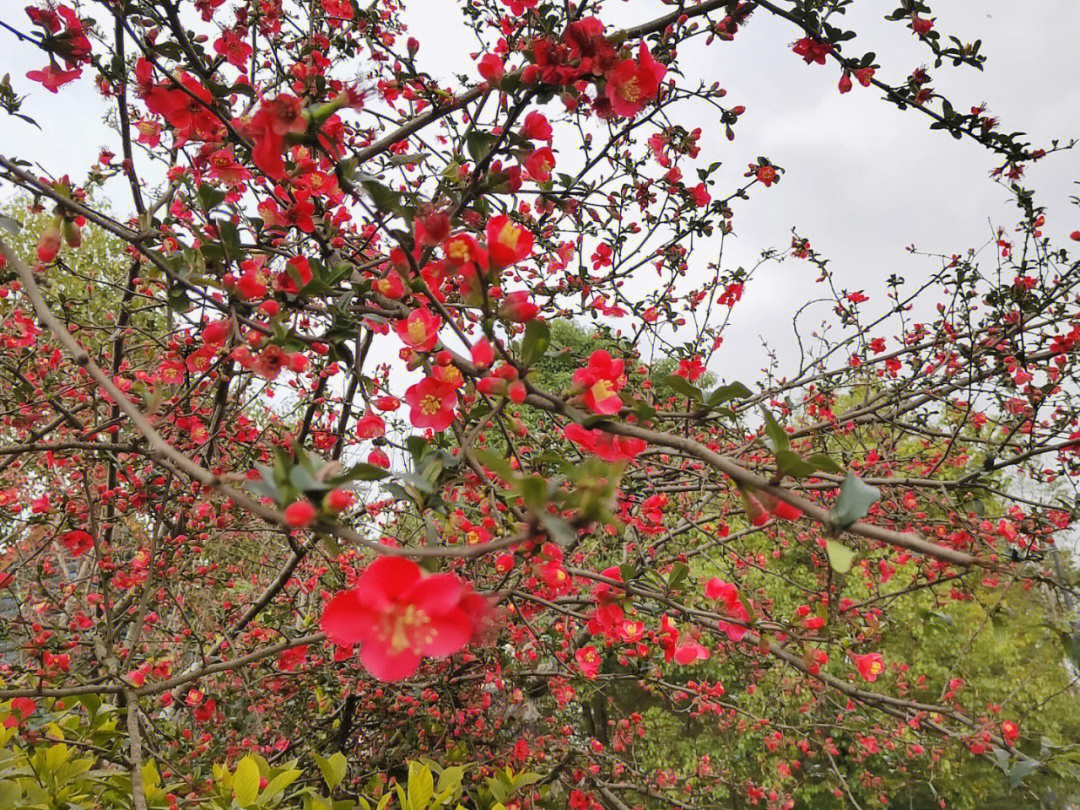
column 863, row 179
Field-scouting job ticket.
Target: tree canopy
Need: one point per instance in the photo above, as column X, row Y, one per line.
column 376, row 448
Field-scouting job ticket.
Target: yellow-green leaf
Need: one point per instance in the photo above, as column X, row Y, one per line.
column 246, row 782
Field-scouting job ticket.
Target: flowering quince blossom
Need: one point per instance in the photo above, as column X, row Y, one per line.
column 77, row 542
column 399, row 616
column 632, row 84
column 589, row 661
column 601, row 380
column 607, row 446
column 870, row 666
column 432, row 404
column 64, row 36
column 300, row 514
column 812, row 51
column 507, row 242
column 539, row 164
column 419, row 331
column 728, row 595
column 275, row 119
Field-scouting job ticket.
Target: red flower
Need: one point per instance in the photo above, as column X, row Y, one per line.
column 216, row 331
column 601, row 379
column 870, row 666
column 700, row 195
column 766, row 175
column 270, row 362
column 77, row 542
column 536, row 127
column 223, row 166
column 234, row 47
column 275, row 119
column 518, row 307
column 289, row 660
column 399, row 616
column 728, row 594
column 432, row 404
column 921, row 25
column 491, row 67
column 690, row 653
column 507, row 242
column 539, row 164
column 390, row 285
column 632, row 85
column 187, row 110
column 420, row 330
column 589, row 661
column 607, row 446
column 49, row 242
column 482, row 353
column 338, row 500
column 461, row 249
column 370, row 426
column 1010, row 731
column 22, row 708
column 812, row 51
column 300, row 514
column 691, row 369
column 52, row 77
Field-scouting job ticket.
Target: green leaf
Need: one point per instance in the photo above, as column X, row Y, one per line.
column 210, row 196
column 535, row 343
column 856, row 498
column 359, row 472
column 1001, row 757
column 479, row 143
column 728, row 392
column 1020, row 770
column 421, row 786
column 681, row 386
column 840, row 556
column 789, row 463
column 776, row 437
column 246, row 782
column 678, row 573
column 824, row 463
column 385, row 199
column 332, row 767
column 282, row 781
column 533, row 491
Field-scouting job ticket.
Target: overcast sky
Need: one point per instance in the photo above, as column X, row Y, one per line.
column 863, row 181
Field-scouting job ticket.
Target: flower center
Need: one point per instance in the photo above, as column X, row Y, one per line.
column 601, row 390
column 403, row 630
column 509, row 236
column 629, row 90
column 417, row 331
column 430, row 405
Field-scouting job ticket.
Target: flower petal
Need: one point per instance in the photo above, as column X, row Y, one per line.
column 348, row 619
column 435, row 595
column 386, row 579
column 387, row 666
column 447, row 633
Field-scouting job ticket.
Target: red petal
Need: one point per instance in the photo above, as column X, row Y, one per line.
column 387, row 579
column 435, row 595
column 447, row 633
column 348, row 620
column 382, row 664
